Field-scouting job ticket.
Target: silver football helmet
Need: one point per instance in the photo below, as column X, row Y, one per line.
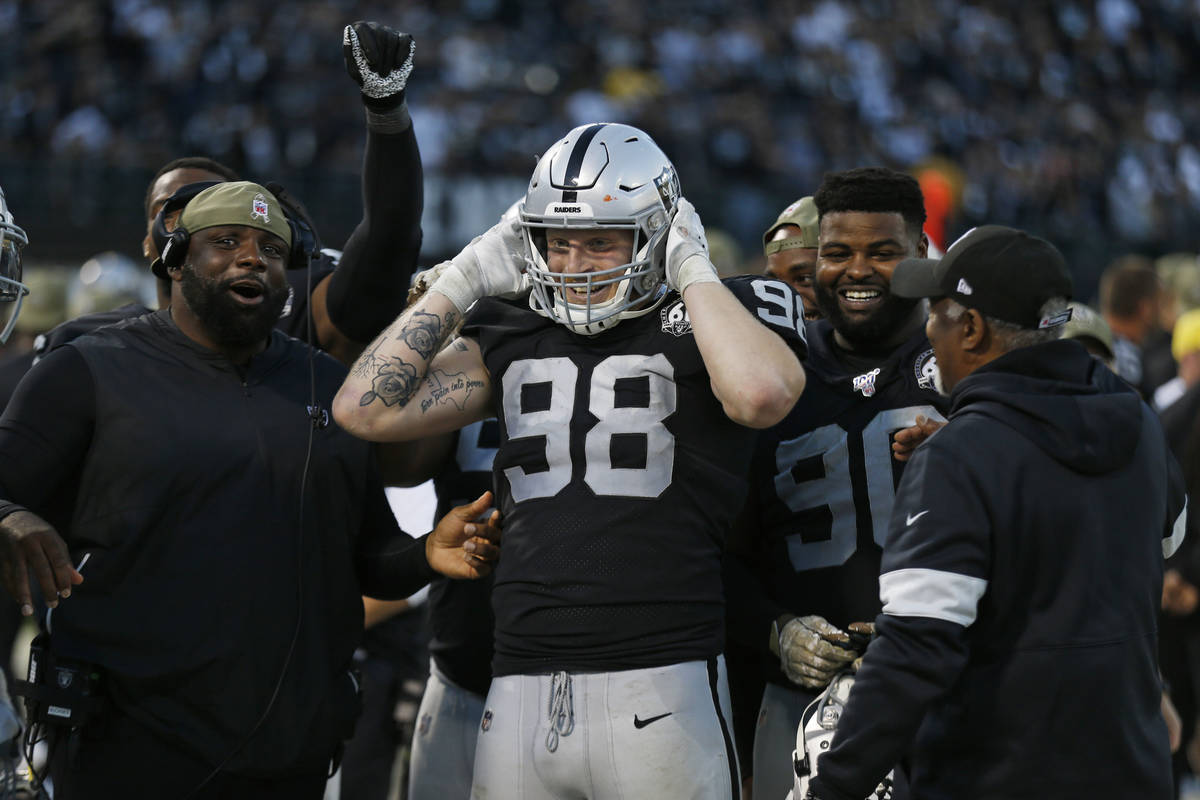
column 603, row 175
column 12, row 291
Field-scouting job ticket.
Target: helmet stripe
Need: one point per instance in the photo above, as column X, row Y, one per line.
column 575, row 162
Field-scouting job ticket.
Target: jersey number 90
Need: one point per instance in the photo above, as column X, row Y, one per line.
column 554, row 424
column 836, row 488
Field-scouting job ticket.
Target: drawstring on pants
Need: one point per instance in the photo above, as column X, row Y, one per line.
column 562, row 709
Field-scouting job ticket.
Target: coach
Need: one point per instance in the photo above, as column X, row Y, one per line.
column 224, row 534
column 1023, row 568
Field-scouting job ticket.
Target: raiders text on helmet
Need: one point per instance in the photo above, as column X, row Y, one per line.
column 604, row 175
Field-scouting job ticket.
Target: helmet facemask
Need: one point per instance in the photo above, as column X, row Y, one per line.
column 12, row 290
column 602, row 176
column 638, row 283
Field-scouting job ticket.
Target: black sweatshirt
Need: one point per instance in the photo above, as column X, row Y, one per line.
column 211, row 537
column 1021, row 580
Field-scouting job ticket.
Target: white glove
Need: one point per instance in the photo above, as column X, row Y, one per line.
column 811, row 650
column 492, row 265
column 687, row 250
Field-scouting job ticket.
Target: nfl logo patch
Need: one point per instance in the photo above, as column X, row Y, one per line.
column 423, row 725
column 675, row 319
column 866, row 383
column 259, row 209
column 487, row 721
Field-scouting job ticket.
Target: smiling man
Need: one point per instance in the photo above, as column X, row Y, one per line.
column 822, row 487
column 224, row 534
column 626, row 377
column 1022, row 574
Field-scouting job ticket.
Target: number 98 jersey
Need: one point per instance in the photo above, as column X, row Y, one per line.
column 824, row 479
column 618, row 476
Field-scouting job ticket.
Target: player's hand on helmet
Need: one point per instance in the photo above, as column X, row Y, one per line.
column 28, row 542
column 492, row 265
column 687, row 259
column 812, row 651
column 466, row 542
column 909, row 439
column 379, row 60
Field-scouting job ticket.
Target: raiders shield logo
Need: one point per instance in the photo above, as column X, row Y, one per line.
column 486, row 724
column 675, row 319
column 925, row 368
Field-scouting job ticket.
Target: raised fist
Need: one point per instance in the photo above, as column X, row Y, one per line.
column 380, row 60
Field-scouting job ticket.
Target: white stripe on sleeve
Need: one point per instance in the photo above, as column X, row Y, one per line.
column 1170, row 545
column 931, row 593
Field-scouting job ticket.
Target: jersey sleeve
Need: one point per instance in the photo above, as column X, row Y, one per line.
column 775, row 304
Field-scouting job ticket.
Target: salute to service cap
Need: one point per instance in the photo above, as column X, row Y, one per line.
column 1004, row 273
column 236, row 203
column 802, row 214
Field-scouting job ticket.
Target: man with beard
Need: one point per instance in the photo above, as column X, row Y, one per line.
column 223, row 532
column 822, row 489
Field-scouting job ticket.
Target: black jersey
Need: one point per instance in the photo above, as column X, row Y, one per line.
column 618, row 476
column 460, row 613
column 825, row 478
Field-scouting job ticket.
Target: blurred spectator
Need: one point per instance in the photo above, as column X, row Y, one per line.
column 1130, row 296
column 1185, row 348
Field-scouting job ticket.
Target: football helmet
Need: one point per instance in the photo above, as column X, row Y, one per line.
column 12, row 291
column 815, row 734
column 603, row 175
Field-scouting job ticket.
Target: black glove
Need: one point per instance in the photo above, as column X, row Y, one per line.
column 380, row 60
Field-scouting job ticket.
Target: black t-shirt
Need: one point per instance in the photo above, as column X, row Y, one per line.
column 824, row 479
column 618, row 476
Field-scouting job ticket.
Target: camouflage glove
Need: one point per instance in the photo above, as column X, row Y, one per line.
column 687, row 250
column 379, row 60
column 811, row 650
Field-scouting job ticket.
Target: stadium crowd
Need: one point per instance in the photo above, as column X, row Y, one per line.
column 1057, row 118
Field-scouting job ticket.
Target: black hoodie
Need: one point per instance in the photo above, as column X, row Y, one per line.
column 1021, row 581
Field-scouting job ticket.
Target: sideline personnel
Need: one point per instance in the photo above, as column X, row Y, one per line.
column 226, row 531
column 1023, row 567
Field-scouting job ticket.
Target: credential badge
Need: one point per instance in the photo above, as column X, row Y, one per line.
column 675, row 319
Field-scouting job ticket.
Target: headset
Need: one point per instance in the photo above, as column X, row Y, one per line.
column 173, row 245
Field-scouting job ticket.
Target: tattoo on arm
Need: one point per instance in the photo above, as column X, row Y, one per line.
column 423, row 333
column 445, row 387
column 395, row 383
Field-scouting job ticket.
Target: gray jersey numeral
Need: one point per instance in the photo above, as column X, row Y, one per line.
column 835, row 489
column 554, row 424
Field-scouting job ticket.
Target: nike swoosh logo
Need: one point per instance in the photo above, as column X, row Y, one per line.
column 641, row 723
column 909, row 520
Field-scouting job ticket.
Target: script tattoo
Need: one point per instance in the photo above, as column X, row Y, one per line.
column 445, row 387
column 423, row 333
column 395, row 383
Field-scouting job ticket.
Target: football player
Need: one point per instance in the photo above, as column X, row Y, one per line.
column 620, row 378
column 790, row 245
column 460, row 635
column 824, row 478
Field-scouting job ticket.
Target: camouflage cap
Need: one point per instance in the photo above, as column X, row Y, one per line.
column 1085, row 323
column 236, row 203
column 802, row 214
